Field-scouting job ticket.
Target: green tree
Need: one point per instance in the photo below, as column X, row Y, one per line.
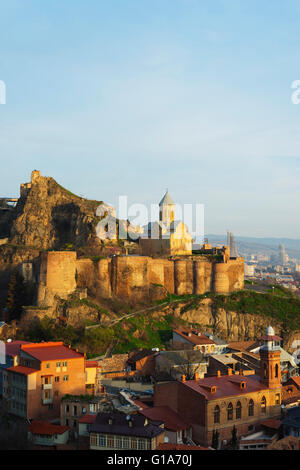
column 234, row 439
column 215, row 439
column 16, row 296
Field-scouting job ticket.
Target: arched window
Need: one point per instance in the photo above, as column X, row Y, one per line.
column 230, row 412
column 265, row 370
column 276, row 371
column 217, row 414
column 251, row 408
column 263, row 405
column 238, row 410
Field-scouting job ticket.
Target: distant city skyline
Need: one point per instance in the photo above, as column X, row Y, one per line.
column 131, row 98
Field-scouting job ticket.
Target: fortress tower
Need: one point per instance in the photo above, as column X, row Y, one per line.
column 270, row 373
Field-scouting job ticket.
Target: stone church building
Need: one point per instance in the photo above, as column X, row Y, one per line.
column 166, row 236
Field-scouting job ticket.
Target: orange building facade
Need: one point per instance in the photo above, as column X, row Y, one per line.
column 44, row 374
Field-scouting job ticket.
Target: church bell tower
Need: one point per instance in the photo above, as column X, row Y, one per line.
column 270, row 374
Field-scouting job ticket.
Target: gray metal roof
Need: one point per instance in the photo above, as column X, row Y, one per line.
column 166, row 200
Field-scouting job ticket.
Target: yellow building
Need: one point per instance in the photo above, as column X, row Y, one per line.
column 167, row 236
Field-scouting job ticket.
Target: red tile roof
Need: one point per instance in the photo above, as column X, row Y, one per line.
column 42, row 427
column 195, row 338
column 271, row 423
column 171, row 420
column 50, row 351
column 296, row 380
column 167, row 446
column 271, row 338
column 91, row 364
column 243, row 345
column 22, row 370
column 12, row 348
column 88, row 419
column 226, row 385
column 140, row 403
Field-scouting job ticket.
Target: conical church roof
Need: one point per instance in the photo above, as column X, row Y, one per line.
column 166, row 200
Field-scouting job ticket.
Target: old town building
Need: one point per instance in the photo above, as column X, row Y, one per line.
column 44, row 374
column 224, row 401
column 120, row 431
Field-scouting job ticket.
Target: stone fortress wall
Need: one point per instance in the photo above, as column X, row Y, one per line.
column 133, row 278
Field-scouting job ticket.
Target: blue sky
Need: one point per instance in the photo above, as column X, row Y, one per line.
column 129, row 97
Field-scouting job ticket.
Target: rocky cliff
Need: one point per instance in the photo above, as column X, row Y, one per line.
column 48, row 216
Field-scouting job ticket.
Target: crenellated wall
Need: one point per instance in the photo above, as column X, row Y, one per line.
column 132, row 278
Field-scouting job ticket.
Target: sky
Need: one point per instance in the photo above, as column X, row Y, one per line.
column 130, row 97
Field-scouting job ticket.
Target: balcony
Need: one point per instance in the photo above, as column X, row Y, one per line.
column 46, row 386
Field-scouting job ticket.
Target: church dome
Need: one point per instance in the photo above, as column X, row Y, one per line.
column 270, row 331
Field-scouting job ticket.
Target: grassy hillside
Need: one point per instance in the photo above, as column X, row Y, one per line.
column 148, row 330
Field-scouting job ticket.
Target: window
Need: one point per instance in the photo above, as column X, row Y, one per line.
column 263, row 405
column 119, row 442
column 134, row 443
column 94, row 439
column 56, row 379
column 230, row 412
column 265, row 370
column 277, row 399
column 276, row 371
column 66, row 378
column 58, row 364
column 67, row 408
column 251, row 408
column 125, row 443
column 238, row 410
column 48, row 365
column 142, row 444
column 65, row 364
column 75, row 410
column 102, row 440
column 217, row 414
column 110, row 441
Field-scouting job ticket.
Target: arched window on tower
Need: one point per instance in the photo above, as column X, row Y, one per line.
column 263, row 405
column 230, row 412
column 217, row 414
column 238, row 410
column 276, row 371
column 265, row 370
column 251, row 408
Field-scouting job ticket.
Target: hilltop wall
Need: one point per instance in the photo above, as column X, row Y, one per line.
column 132, row 278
